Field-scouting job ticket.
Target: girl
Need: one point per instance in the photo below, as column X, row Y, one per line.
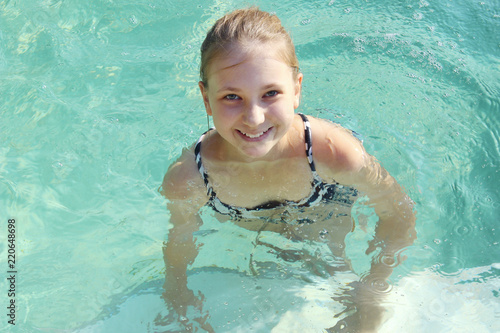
column 266, row 168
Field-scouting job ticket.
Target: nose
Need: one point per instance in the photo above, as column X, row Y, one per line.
column 254, row 115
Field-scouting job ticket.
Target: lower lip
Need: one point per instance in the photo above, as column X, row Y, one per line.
column 256, row 139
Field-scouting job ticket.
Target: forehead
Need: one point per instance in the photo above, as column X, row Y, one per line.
column 231, row 56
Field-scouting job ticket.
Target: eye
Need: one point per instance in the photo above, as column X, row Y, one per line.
column 271, row 93
column 231, row 97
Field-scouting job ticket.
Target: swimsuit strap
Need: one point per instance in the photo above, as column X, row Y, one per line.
column 201, row 169
column 308, row 143
column 213, row 201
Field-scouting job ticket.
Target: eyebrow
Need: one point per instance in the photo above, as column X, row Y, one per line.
column 267, row 86
column 272, row 85
column 228, row 89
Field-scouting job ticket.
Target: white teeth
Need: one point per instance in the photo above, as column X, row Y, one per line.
column 255, row 135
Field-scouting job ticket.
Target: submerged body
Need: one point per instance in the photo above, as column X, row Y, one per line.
column 268, row 168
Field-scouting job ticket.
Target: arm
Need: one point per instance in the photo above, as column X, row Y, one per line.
column 184, row 190
column 343, row 158
column 178, row 253
column 395, row 231
column 396, row 226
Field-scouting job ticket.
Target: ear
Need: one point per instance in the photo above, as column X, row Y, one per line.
column 204, row 94
column 298, row 90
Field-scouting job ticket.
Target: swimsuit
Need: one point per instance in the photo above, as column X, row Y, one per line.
column 320, row 191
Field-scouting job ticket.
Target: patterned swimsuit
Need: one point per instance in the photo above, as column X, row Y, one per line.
column 320, row 191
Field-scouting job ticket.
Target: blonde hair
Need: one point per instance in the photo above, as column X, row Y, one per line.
column 243, row 26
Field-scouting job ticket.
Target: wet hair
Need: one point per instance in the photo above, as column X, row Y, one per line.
column 244, row 26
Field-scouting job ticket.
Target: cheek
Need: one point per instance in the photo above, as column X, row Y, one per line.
column 223, row 112
column 223, row 117
column 288, row 106
column 283, row 113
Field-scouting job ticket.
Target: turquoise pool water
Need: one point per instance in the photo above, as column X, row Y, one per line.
column 98, row 98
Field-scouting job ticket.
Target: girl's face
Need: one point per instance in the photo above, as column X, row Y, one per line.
column 252, row 96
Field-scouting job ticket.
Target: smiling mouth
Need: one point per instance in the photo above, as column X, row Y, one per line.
column 255, row 136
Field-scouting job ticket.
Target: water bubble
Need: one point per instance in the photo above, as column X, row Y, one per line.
column 328, row 258
column 389, row 261
column 462, row 230
column 133, row 20
column 376, row 285
column 381, row 285
column 418, row 16
column 454, row 266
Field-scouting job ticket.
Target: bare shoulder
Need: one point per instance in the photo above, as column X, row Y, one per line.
column 183, row 181
column 336, row 151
